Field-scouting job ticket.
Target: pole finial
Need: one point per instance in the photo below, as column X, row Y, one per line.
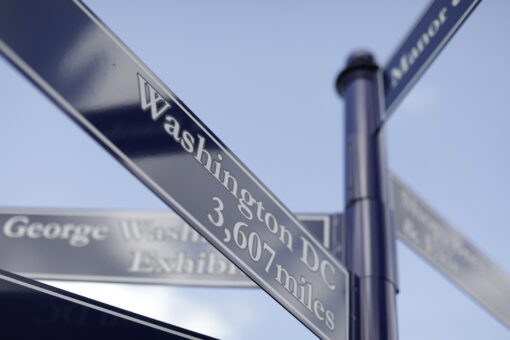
column 362, row 63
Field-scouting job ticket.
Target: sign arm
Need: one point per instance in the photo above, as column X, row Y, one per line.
column 181, row 160
column 428, row 234
column 426, row 39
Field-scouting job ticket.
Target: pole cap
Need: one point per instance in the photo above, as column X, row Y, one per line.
column 360, row 63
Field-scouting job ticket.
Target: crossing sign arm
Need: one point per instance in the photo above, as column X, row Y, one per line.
column 182, row 161
column 122, row 246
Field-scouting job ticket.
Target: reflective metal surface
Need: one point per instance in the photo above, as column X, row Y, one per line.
column 31, row 310
column 426, row 39
column 428, row 234
column 92, row 76
column 369, row 233
column 121, row 246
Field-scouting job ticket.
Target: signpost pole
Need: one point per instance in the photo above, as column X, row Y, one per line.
column 370, row 236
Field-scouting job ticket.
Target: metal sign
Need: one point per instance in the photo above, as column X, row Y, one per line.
column 121, row 241
column 32, row 310
column 427, row 233
column 66, row 51
column 426, row 39
column 129, row 247
column 114, row 246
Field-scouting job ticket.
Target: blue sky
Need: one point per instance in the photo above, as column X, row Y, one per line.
column 260, row 74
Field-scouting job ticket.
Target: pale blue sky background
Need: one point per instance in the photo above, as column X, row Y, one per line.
column 260, row 74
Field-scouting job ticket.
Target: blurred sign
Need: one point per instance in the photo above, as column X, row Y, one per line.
column 426, row 39
column 32, row 310
column 425, row 232
column 129, row 247
column 79, row 63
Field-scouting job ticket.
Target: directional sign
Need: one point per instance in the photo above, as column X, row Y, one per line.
column 113, row 246
column 110, row 246
column 427, row 233
column 32, row 310
column 426, row 39
column 66, row 51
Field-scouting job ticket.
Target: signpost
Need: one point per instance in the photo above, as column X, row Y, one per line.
column 369, row 236
column 67, row 52
column 115, row 246
column 32, row 310
column 85, row 69
column 370, row 96
column 426, row 39
column 427, row 233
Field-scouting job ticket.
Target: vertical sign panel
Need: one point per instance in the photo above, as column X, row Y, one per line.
column 97, row 80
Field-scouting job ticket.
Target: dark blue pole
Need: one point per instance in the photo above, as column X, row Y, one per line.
column 370, row 235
